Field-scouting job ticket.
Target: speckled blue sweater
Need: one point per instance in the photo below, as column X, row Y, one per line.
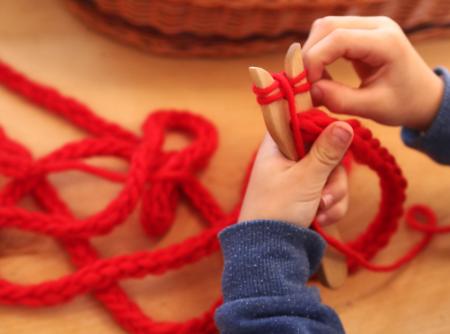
column 267, row 263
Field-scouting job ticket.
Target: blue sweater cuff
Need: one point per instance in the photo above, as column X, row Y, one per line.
column 268, row 258
column 436, row 140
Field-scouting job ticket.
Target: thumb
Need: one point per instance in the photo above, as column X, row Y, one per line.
column 342, row 99
column 327, row 151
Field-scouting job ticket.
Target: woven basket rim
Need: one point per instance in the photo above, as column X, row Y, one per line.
column 267, row 4
column 158, row 43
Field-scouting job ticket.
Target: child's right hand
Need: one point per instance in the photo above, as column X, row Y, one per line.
column 397, row 87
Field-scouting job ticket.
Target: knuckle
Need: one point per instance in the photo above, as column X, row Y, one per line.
column 392, row 36
column 338, row 36
column 386, row 20
column 324, row 23
column 326, row 156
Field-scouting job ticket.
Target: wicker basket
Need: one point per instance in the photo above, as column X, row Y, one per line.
column 244, row 18
column 237, row 27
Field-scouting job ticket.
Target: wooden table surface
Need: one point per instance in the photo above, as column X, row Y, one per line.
column 124, row 85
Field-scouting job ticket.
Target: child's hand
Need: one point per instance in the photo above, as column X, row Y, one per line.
column 280, row 189
column 397, row 87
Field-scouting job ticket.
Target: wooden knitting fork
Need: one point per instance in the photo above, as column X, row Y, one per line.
column 333, row 270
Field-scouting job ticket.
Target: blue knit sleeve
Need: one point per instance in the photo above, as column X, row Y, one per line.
column 436, row 140
column 266, row 267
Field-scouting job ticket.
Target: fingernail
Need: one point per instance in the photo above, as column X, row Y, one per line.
column 341, row 134
column 321, row 218
column 316, row 94
column 326, row 201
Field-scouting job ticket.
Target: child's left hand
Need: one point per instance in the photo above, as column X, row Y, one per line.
column 295, row 192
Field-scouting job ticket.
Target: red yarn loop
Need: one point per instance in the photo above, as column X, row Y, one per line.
column 422, row 218
column 268, row 94
column 300, row 84
column 275, row 91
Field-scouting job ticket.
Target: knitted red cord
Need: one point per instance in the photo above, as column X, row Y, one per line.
column 365, row 149
column 155, row 180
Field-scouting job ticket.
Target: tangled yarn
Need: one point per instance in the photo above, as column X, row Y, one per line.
column 154, row 182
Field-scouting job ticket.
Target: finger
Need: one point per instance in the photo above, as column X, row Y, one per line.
column 268, row 146
column 269, row 154
column 333, row 214
column 324, row 26
column 335, row 189
column 317, row 101
column 342, row 99
column 326, row 153
column 366, row 46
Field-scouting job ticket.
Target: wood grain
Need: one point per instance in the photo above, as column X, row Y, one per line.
column 124, row 85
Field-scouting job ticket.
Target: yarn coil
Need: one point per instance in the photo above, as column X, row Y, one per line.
column 154, row 183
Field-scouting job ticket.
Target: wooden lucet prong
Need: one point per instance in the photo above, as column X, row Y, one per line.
column 333, row 270
column 276, row 115
column 293, row 66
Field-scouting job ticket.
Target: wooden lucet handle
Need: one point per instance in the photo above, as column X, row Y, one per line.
column 333, row 271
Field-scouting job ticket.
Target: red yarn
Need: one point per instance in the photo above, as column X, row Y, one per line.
column 366, row 150
column 155, row 180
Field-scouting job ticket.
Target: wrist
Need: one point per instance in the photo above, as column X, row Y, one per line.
column 432, row 98
column 301, row 218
